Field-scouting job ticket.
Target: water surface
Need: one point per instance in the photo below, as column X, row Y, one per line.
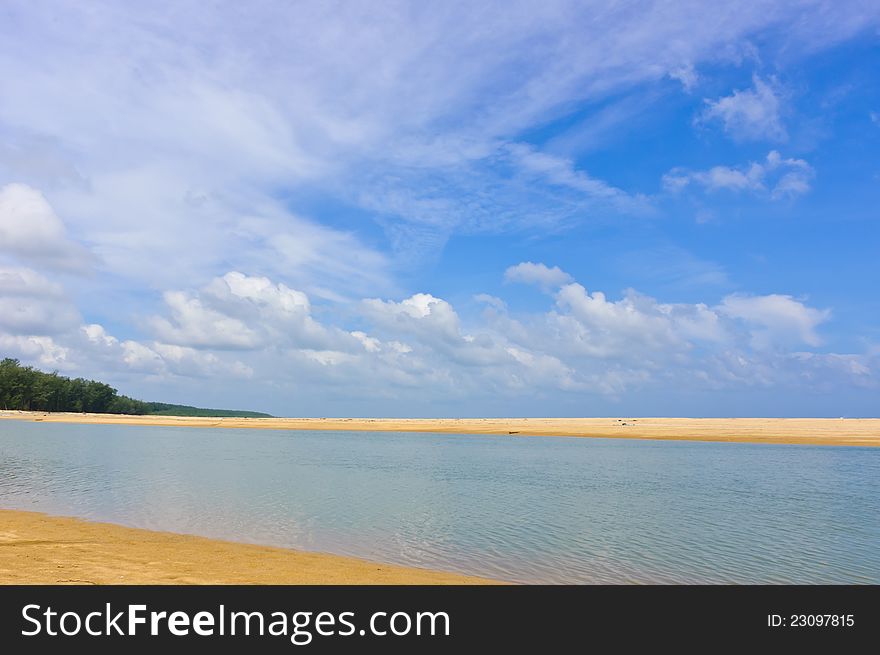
column 526, row 509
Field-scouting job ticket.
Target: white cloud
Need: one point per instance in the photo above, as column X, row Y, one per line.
column 776, row 318
column 687, row 75
column 193, row 324
column 796, row 175
column 614, row 346
column 153, row 358
column 492, row 301
column 41, row 350
column 241, row 312
column 421, row 314
column 179, row 360
column 369, row 343
column 256, row 334
column 751, row 113
column 431, row 329
column 96, row 334
column 259, row 294
column 559, row 171
column 207, row 123
column 180, row 149
column 31, row 231
column 511, row 186
column 30, row 304
column 141, row 358
column 538, row 274
column 828, row 370
column 775, row 177
column 27, row 283
column 632, row 328
column 589, row 343
column 328, row 263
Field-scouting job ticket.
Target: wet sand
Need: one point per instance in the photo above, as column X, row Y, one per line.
column 41, row 549
column 809, row 431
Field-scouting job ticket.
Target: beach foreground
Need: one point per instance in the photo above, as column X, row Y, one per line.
column 806, row 431
column 41, row 549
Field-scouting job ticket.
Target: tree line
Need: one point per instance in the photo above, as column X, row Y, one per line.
column 26, row 388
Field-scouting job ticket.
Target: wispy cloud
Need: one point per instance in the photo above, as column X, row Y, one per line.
column 687, row 75
column 754, row 113
column 257, row 184
column 775, row 177
column 410, row 114
column 561, row 172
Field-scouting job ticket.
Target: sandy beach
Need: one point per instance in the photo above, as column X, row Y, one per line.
column 807, row 431
column 41, row 549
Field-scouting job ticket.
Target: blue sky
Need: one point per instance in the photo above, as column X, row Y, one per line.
column 455, row 209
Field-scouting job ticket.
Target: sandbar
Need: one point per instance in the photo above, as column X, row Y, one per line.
column 803, row 431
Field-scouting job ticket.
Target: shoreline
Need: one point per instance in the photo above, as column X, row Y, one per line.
column 794, row 431
column 40, row 548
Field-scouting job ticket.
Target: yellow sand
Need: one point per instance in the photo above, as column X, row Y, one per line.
column 41, row 549
column 834, row 432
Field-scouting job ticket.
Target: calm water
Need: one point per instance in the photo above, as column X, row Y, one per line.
column 523, row 509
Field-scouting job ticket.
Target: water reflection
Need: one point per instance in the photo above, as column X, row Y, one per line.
column 526, row 509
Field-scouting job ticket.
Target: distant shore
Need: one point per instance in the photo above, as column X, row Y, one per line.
column 42, row 549
column 804, row 431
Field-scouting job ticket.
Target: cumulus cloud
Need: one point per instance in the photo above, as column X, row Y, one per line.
column 250, row 328
column 631, row 327
column 193, row 324
column 267, row 188
column 42, row 350
column 538, row 274
column 776, row 177
column 249, row 295
column 590, row 343
column 432, row 330
column 31, row 231
column 750, row 113
column 421, row 314
column 241, row 312
column 776, row 318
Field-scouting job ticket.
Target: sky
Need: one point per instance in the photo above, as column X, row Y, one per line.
column 447, row 209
